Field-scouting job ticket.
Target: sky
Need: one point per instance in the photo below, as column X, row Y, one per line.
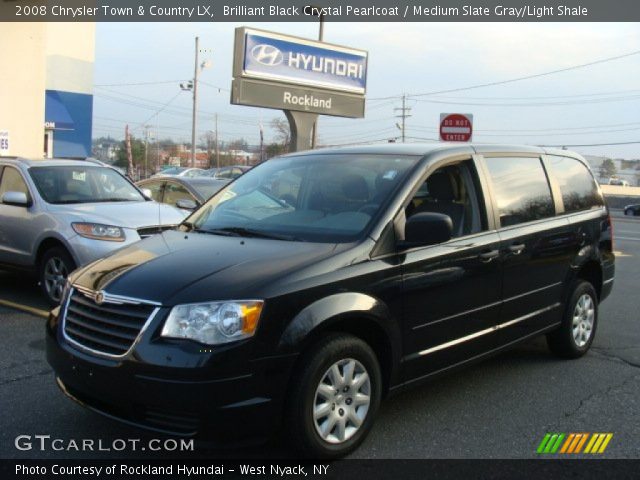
column 591, row 105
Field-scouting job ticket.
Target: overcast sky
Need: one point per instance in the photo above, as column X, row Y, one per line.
column 595, row 104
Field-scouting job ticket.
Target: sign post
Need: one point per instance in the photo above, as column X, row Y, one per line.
column 456, row 127
column 304, row 78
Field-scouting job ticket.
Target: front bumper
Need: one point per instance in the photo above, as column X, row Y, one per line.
column 215, row 395
column 86, row 250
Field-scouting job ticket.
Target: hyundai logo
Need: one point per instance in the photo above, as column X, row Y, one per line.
column 267, row 55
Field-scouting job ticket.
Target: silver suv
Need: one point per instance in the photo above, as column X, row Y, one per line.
column 56, row 215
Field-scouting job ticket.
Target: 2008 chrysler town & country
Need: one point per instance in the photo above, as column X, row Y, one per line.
column 319, row 282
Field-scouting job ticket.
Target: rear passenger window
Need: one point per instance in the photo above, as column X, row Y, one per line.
column 577, row 185
column 521, row 189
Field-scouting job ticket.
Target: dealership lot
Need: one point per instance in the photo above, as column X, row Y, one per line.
column 498, row 409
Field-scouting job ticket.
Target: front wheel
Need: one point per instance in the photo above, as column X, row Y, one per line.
column 578, row 328
column 335, row 394
column 55, row 267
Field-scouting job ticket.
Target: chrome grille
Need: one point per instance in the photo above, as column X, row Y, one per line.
column 107, row 328
column 146, row 232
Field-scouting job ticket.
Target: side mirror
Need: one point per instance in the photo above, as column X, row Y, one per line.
column 147, row 193
column 186, row 204
column 17, row 199
column 427, row 228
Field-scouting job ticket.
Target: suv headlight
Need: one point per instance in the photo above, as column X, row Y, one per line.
column 98, row 231
column 214, row 323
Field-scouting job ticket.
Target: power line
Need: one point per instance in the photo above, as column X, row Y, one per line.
column 593, row 144
column 164, row 82
column 528, row 77
column 404, row 114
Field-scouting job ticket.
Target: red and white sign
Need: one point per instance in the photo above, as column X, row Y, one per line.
column 456, row 127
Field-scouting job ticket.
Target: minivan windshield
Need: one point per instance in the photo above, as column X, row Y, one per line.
column 317, row 198
column 79, row 184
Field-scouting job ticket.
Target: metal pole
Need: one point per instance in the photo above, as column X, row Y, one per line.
column 146, row 150
column 195, row 107
column 314, row 133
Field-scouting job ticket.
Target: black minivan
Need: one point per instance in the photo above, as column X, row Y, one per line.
column 317, row 283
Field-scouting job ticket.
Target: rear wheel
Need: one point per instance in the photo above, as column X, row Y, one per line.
column 335, row 395
column 55, row 266
column 575, row 336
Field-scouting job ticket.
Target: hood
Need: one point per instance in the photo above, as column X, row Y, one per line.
column 123, row 214
column 177, row 267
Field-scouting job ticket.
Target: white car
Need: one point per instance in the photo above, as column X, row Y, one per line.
column 180, row 172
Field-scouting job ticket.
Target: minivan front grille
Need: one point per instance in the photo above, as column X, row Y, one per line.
column 107, row 328
column 146, row 232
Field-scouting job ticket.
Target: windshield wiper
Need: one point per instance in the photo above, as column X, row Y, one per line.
column 248, row 232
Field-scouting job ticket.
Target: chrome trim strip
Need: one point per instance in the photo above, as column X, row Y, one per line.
column 608, row 281
column 98, row 353
column 488, row 305
column 531, row 292
column 114, row 299
column 480, row 333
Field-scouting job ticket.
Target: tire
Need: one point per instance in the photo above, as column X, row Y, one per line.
column 317, row 367
column 579, row 323
column 628, row 213
column 54, row 268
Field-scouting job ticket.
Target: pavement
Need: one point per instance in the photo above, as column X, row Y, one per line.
column 500, row 408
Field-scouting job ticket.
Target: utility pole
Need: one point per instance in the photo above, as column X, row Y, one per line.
column 146, row 151
column 127, row 138
column 217, row 148
column 404, row 114
column 195, row 106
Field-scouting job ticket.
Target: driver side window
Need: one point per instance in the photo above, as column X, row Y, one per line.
column 452, row 190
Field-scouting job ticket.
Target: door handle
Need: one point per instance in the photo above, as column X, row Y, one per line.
column 489, row 255
column 517, row 248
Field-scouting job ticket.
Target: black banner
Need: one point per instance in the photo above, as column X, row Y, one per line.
column 330, row 10
column 316, row 470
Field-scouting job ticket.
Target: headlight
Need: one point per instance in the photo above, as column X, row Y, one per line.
column 98, row 231
column 214, row 323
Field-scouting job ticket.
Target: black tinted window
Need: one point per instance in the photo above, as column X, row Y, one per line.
column 577, row 185
column 521, row 189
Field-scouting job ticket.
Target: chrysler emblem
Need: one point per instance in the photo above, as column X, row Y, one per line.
column 99, row 298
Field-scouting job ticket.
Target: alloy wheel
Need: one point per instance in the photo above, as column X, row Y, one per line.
column 583, row 320
column 342, row 401
column 55, row 277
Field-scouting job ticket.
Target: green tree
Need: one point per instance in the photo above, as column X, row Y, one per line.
column 608, row 168
column 137, row 153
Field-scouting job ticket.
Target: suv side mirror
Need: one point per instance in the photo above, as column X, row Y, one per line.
column 17, row 199
column 427, row 228
column 186, row 204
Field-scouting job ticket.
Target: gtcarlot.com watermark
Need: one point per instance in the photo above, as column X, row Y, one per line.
column 45, row 443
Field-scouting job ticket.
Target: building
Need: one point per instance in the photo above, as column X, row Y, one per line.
column 46, row 88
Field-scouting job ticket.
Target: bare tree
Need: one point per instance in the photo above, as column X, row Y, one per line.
column 283, row 132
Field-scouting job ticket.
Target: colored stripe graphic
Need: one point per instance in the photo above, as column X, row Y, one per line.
column 572, row 443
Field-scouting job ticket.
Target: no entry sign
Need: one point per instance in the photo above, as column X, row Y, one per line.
column 456, row 127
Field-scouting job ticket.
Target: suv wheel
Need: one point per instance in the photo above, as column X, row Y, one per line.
column 335, row 395
column 575, row 335
column 55, row 266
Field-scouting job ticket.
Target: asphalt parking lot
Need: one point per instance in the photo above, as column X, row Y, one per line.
column 497, row 409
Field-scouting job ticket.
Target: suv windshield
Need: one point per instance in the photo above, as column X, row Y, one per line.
column 318, row 198
column 80, row 184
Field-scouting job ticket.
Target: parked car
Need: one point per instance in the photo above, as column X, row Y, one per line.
column 179, row 172
column 56, row 215
column 618, row 182
column 632, row 210
column 182, row 192
column 387, row 266
column 229, row 173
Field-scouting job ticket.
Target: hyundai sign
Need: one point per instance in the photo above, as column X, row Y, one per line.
column 292, row 60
